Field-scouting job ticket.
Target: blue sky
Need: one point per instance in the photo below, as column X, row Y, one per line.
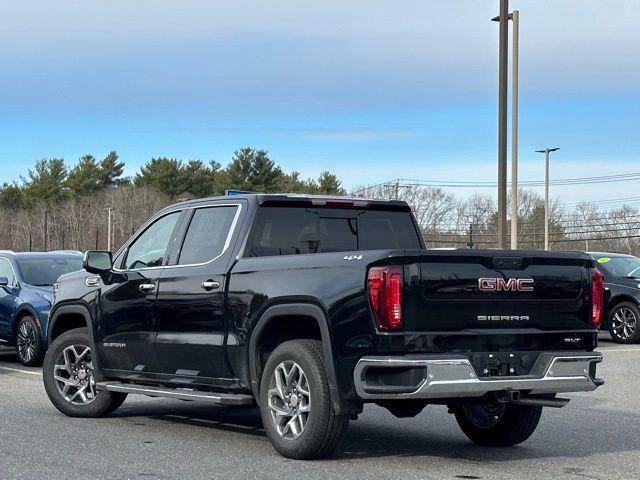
column 369, row 90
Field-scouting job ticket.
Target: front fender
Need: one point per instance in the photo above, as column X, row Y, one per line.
column 40, row 315
column 57, row 315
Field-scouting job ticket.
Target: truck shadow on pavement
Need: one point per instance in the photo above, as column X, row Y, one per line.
column 588, row 431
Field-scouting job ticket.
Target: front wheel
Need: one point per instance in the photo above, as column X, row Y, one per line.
column 68, row 378
column 497, row 425
column 295, row 402
column 29, row 342
column 623, row 323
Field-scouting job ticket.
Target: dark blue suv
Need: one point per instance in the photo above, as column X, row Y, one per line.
column 26, row 295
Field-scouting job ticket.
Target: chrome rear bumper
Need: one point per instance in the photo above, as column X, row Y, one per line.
column 446, row 376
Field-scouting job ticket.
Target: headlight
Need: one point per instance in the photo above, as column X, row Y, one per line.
column 56, row 290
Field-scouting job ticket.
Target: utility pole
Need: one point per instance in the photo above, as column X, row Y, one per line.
column 109, row 210
column 503, row 48
column 470, row 242
column 546, row 152
column 45, row 232
column 515, row 16
column 396, row 188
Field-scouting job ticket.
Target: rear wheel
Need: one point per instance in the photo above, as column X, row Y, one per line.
column 624, row 323
column 497, row 425
column 29, row 343
column 295, row 402
column 69, row 381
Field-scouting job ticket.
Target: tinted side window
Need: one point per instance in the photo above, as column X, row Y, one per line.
column 294, row 231
column 7, row 272
column 207, row 234
column 149, row 249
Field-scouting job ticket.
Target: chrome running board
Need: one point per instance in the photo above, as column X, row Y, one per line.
column 178, row 393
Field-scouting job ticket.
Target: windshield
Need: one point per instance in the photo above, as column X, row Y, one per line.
column 43, row 272
column 620, row 266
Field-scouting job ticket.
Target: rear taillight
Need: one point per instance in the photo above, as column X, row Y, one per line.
column 597, row 297
column 385, row 296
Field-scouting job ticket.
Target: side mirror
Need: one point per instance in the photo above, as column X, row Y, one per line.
column 97, row 261
column 4, row 282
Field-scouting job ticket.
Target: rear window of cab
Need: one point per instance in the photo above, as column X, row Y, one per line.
column 296, row 231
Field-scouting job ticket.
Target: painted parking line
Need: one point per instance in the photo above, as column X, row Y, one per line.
column 30, row 372
column 607, row 350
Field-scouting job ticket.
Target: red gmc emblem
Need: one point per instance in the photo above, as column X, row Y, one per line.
column 502, row 285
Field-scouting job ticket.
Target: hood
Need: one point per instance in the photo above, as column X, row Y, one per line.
column 44, row 292
column 71, row 275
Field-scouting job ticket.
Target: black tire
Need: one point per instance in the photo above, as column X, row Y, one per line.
column 511, row 424
column 104, row 402
column 30, row 346
column 620, row 332
column 324, row 427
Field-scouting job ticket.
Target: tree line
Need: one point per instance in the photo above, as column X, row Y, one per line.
column 58, row 206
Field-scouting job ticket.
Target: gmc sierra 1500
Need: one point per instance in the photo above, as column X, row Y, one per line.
column 311, row 307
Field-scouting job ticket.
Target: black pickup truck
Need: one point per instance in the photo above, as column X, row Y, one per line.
column 312, row 307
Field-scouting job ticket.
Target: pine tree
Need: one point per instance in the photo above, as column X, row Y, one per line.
column 46, row 182
column 164, row 174
column 253, row 170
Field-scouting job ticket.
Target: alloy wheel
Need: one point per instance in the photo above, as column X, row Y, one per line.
column 73, row 374
column 26, row 342
column 624, row 323
column 289, row 399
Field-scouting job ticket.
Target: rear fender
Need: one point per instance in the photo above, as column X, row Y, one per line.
column 295, row 309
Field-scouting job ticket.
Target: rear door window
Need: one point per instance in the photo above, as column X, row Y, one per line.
column 296, row 231
column 207, row 235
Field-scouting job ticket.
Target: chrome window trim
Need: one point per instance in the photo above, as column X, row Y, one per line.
column 15, row 276
column 227, row 241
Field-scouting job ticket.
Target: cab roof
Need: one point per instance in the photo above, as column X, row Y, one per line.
column 300, row 200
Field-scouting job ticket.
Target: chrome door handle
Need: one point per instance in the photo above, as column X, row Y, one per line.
column 210, row 285
column 147, row 287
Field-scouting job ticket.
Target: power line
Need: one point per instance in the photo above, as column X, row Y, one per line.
column 621, row 177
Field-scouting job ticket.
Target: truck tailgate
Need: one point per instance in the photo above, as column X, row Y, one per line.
column 462, row 292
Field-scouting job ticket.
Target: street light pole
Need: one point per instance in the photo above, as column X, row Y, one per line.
column 546, row 152
column 515, row 16
column 109, row 210
column 503, row 48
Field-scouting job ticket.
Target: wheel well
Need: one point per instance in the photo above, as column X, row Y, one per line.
column 20, row 315
column 281, row 329
column 66, row 322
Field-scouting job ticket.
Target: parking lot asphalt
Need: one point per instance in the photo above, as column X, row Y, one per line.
column 596, row 436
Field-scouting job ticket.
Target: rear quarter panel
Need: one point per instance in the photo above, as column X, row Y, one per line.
column 329, row 280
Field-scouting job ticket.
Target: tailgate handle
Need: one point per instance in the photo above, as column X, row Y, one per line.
column 507, row 262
